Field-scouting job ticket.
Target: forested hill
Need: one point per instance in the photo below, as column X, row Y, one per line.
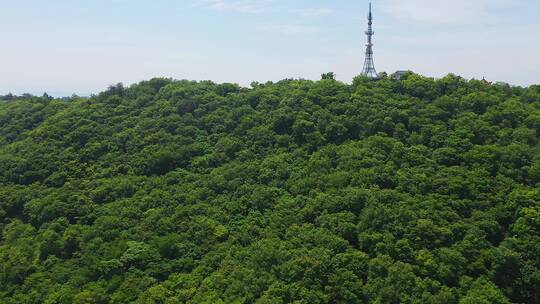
column 391, row 191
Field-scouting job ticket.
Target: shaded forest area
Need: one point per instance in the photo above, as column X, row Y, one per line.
column 391, row 191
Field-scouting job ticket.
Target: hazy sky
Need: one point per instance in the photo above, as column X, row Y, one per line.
column 72, row 46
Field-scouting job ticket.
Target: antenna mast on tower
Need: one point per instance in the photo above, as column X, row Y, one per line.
column 369, row 66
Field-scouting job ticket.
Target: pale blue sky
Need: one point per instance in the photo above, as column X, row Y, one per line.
column 70, row 46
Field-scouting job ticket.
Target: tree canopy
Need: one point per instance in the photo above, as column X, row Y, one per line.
column 391, row 191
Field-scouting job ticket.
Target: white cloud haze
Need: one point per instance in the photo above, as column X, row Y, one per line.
column 458, row 12
column 87, row 47
column 242, row 6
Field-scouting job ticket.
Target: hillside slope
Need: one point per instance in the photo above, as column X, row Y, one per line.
column 410, row 191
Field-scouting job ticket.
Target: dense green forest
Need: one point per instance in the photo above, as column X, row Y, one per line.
column 391, row 191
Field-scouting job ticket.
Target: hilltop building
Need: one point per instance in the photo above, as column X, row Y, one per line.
column 398, row 75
